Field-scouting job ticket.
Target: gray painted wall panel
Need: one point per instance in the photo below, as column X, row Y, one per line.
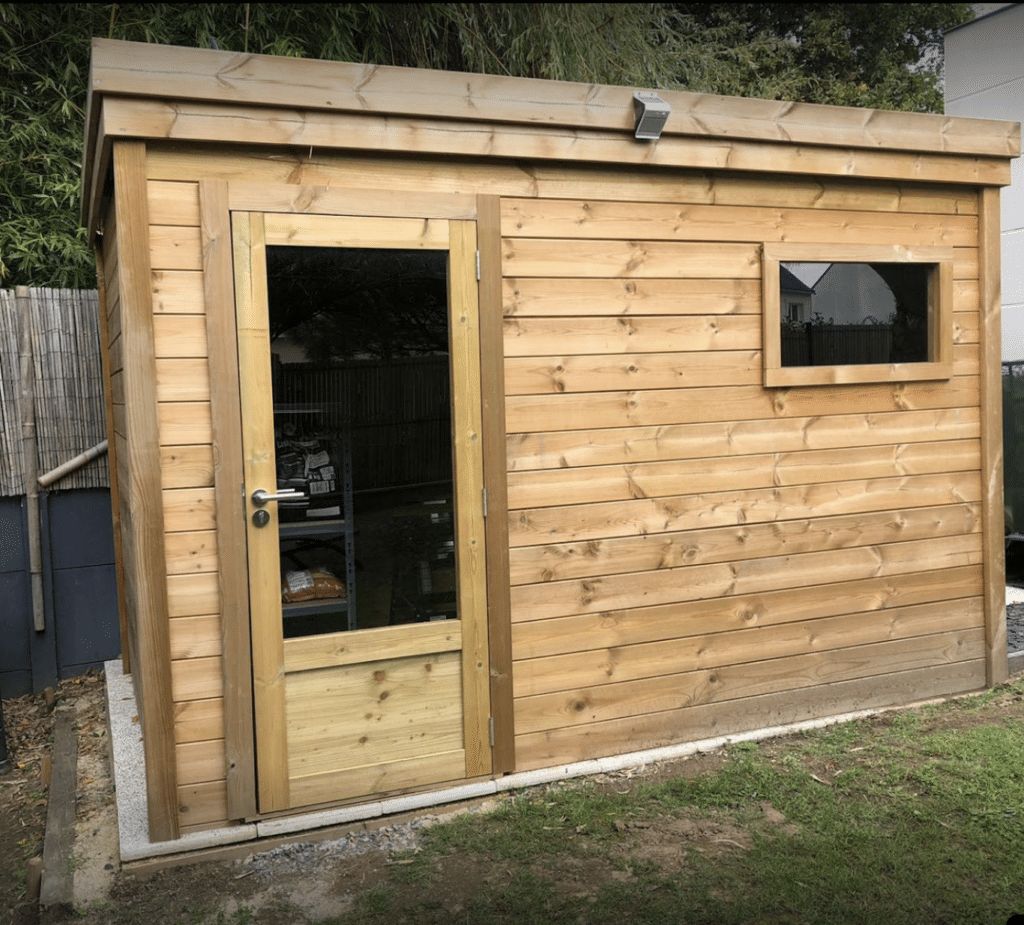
column 79, row 591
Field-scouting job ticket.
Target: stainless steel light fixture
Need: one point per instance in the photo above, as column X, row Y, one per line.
column 649, row 113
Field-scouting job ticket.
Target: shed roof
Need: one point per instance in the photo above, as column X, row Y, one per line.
column 139, row 90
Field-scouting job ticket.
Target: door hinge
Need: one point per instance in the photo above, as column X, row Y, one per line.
column 491, row 724
column 485, row 503
column 478, row 266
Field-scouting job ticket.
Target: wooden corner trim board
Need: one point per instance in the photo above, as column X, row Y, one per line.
column 145, row 526
column 940, row 315
column 219, row 298
column 499, row 604
column 993, row 519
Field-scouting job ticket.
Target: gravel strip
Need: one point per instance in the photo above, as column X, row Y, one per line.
column 304, row 856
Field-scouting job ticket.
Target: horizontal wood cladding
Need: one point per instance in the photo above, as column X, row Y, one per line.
column 655, row 407
column 553, row 747
column 692, row 553
column 576, row 523
column 530, row 564
column 567, row 449
column 613, row 630
column 676, row 477
column 542, row 218
column 762, row 663
column 520, row 178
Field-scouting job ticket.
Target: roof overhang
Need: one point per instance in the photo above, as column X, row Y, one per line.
column 168, row 93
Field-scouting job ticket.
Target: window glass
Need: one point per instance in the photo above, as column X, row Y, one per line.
column 840, row 313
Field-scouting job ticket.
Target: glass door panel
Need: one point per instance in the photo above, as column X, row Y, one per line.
column 362, row 432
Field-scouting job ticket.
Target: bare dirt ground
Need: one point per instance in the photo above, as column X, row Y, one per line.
column 278, row 886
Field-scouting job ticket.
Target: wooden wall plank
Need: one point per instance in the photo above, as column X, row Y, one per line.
column 182, row 380
column 551, row 748
column 173, row 203
column 186, row 466
column 575, row 523
column 196, row 678
column 771, row 573
column 195, row 637
column 623, row 335
column 588, row 373
column 180, row 335
column 550, row 218
column 568, row 449
column 590, row 297
column 197, row 720
column 173, row 247
column 650, row 696
column 178, row 292
column 189, row 509
column 200, row 762
column 954, row 589
column 185, row 423
column 829, row 639
column 190, row 595
column 192, row 551
column 202, row 806
column 569, row 257
column 288, row 166
column 780, row 670
column 535, row 564
column 733, row 473
column 592, row 410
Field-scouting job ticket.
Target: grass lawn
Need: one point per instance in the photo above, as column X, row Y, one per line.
column 912, row 817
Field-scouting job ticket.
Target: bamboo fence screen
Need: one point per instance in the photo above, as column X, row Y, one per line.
column 68, row 386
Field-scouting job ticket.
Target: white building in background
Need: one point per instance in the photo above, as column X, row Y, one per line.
column 984, row 70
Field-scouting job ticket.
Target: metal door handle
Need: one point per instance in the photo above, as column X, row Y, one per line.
column 261, row 496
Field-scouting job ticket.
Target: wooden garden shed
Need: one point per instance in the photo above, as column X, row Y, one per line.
column 456, row 431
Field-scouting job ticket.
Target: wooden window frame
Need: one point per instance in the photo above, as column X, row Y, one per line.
column 940, row 315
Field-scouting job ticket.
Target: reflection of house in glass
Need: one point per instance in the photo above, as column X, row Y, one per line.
column 853, row 293
column 796, row 298
column 840, row 293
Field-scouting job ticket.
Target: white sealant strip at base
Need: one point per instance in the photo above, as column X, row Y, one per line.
column 130, row 778
column 130, row 781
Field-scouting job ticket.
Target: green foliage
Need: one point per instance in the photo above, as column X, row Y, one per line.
column 852, row 54
column 879, row 56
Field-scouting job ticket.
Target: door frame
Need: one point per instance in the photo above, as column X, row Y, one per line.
column 217, row 200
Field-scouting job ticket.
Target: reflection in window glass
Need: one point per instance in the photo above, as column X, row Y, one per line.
column 362, row 428
column 836, row 314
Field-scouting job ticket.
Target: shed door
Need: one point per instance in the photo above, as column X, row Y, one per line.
column 359, row 370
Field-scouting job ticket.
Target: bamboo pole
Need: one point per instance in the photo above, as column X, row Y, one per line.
column 28, row 457
column 48, row 478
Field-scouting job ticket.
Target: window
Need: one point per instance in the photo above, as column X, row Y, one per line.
column 858, row 313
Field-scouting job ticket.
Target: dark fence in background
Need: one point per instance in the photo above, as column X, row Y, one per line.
column 1013, row 443
column 79, row 595
column 398, row 413
column 836, row 344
